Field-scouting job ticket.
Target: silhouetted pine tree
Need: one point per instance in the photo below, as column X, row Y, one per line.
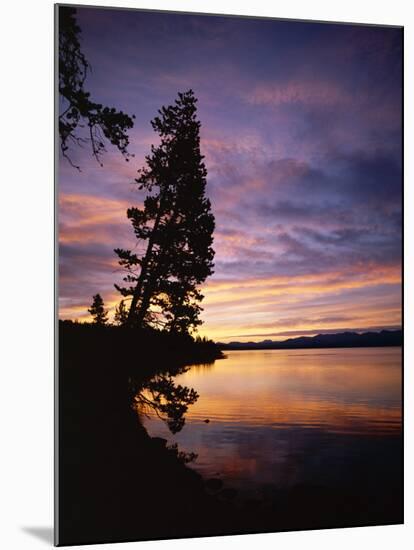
column 176, row 222
column 121, row 313
column 98, row 312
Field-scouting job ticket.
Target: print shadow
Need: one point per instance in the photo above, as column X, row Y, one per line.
column 45, row 534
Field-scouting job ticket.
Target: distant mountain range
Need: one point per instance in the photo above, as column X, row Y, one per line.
column 340, row 340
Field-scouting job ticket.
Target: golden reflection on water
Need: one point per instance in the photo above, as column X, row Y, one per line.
column 356, row 390
column 283, row 417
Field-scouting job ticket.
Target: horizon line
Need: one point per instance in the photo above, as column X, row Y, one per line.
column 307, row 333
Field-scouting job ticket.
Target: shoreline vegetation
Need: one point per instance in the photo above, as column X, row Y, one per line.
column 116, row 483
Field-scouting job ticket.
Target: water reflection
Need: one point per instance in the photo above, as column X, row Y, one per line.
column 166, row 399
column 283, row 418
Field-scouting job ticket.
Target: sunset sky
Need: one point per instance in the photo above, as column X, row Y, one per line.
column 301, row 132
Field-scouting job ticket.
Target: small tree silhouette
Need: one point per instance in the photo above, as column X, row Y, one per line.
column 98, row 312
column 101, row 123
column 121, row 313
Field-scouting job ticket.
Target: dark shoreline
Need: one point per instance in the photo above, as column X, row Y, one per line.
column 383, row 338
column 114, row 478
column 116, row 483
column 261, row 348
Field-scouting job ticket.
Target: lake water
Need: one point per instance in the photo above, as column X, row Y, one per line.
column 284, row 418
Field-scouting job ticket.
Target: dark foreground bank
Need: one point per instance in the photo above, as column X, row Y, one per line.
column 118, row 484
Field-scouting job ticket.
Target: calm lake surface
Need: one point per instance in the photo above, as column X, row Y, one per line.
column 284, row 418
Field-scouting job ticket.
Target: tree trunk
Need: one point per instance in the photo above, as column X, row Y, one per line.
column 174, row 321
column 146, row 297
column 144, row 305
column 144, row 268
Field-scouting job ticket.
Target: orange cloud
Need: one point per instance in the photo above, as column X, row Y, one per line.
column 255, row 307
column 224, row 291
column 89, row 218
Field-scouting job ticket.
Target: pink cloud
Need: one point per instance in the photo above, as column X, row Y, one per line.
column 298, row 91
